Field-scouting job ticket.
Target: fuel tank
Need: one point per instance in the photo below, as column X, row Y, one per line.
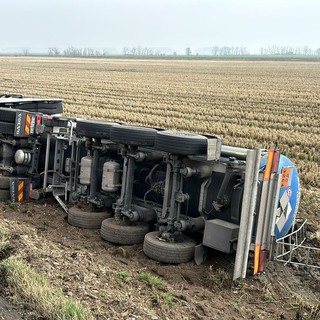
column 289, row 195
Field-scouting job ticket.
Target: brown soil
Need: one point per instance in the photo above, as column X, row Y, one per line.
column 89, row 270
column 8, row 311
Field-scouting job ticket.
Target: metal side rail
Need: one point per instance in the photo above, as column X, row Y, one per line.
column 290, row 248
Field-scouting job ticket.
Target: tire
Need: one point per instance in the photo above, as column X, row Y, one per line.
column 87, row 219
column 94, row 128
column 4, row 182
column 122, row 234
column 181, row 143
column 5, row 195
column 8, row 115
column 11, row 95
column 48, row 107
column 131, row 135
column 6, row 128
column 168, row 252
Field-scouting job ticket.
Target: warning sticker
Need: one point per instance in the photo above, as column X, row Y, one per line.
column 32, row 125
column 284, row 201
column 20, row 190
column 27, row 125
column 286, row 177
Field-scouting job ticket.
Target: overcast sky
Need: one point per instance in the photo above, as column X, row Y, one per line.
column 176, row 24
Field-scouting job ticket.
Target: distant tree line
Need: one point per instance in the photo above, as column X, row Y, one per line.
column 145, row 51
column 127, row 51
column 78, row 52
column 217, row 51
column 289, row 51
column 229, row 51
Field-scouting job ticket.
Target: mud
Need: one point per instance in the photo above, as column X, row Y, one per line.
column 8, row 311
column 89, row 270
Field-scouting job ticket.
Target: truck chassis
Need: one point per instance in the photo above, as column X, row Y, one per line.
column 177, row 192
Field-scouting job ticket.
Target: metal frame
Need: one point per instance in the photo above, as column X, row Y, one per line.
column 247, row 213
column 287, row 248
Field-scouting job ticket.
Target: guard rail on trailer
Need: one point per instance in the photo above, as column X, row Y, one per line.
column 290, row 249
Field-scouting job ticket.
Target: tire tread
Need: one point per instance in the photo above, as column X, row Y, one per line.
column 121, row 234
column 86, row 219
column 168, row 252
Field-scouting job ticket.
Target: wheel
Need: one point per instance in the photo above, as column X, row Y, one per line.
column 87, row 219
column 181, row 143
column 8, row 115
column 6, row 127
column 94, row 128
column 131, row 135
column 169, row 252
column 11, row 95
column 123, row 234
column 5, row 195
column 48, row 107
column 4, row 182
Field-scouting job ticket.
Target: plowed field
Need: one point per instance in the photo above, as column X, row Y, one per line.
column 251, row 104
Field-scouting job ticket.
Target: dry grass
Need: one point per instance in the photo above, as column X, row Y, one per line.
column 26, row 284
column 36, row 291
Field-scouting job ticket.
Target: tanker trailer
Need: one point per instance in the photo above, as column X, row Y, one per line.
column 184, row 186
column 227, row 195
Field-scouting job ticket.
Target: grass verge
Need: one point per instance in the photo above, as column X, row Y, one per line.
column 35, row 290
column 149, row 279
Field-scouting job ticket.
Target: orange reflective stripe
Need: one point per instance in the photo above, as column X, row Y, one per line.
column 256, row 258
column 267, row 170
column 28, row 124
column 20, row 191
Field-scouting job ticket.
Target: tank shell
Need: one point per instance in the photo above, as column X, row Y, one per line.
column 289, row 196
column 85, row 170
column 111, row 176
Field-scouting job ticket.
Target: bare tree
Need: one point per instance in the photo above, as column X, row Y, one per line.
column 125, row 51
column 73, row 52
column 215, row 50
column 139, row 51
column 306, row 50
column 149, row 52
column 54, row 51
column 188, row 51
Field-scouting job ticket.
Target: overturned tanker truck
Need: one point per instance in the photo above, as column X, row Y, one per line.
column 178, row 193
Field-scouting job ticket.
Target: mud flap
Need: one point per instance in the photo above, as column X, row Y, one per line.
column 19, row 189
column 26, row 124
column 200, row 254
